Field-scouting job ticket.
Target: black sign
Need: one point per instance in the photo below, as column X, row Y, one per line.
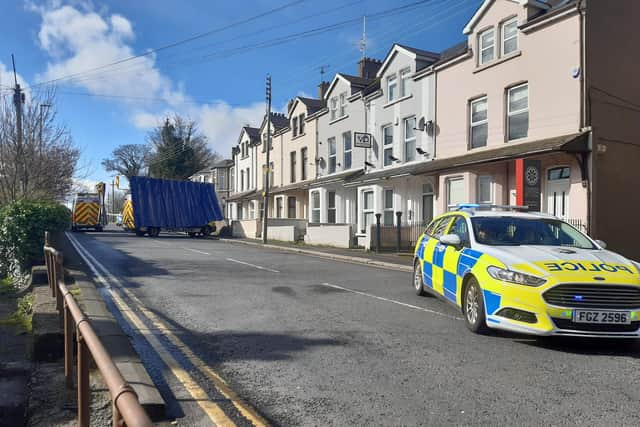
column 362, row 140
column 532, row 187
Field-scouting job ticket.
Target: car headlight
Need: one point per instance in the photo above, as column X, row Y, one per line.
column 515, row 277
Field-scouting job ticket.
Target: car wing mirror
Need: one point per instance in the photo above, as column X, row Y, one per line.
column 602, row 244
column 451, row 240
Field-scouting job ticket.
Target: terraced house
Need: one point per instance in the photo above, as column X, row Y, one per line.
column 535, row 107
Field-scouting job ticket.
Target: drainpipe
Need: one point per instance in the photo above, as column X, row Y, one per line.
column 435, row 111
column 585, row 112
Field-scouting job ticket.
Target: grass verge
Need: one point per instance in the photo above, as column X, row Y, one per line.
column 22, row 316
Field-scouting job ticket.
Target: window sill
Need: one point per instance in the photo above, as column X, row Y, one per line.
column 495, row 62
column 338, row 119
column 395, row 101
column 300, row 135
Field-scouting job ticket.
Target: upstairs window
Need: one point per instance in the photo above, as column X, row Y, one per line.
column 347, row 147
column 510, row 36
column 387, row 140
column 479, row 122
column 392, row 87
column 405, row 82
column 332, row 155
column 487, row 42
column 333, row 108
column 301, row 124
column 293, row 166
column 410, row 139
column 343, row 104
column 518, row 112
column 304, row 158
column 294, row 126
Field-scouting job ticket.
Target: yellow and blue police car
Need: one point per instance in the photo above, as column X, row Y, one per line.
column 526, row 272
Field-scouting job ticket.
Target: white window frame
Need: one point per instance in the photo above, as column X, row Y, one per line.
column 345, row 151
column 517, row 112
column 315, row 208
column 370, row 210
column 485, row 179
column 506, row 39
column 387, row 209
column 409, row 140
column 293, row 165
column 386, row 146
column 451, row 206
column 304, row 158
column 343, row 104
column 331, row 209
column 333, row 107
column 473, row 124
column 392, row 82
column 333, row 156
column 482, row 48
column 405, row 82
column 280, row 207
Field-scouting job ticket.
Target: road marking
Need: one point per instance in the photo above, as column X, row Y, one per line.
column 404, row 304
column 253, row 265
column 196, row 251
column 211, row 409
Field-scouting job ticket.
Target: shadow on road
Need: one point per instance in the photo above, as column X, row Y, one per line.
column 587, row 346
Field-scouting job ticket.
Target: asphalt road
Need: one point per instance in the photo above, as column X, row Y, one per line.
column 308, row 341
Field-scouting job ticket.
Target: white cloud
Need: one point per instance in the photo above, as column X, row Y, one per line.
column 7, row 79
column 78, row 38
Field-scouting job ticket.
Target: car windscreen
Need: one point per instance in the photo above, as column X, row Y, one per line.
column 514, row 231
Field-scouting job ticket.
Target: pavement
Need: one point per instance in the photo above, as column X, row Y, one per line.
column 254, row 335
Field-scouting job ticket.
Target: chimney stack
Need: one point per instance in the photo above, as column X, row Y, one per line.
column 322, row 89
column 368, row 67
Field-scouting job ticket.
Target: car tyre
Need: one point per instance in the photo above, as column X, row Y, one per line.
column 192, row 234
column 140, row 233
column 473, row 307
column 154, row 231
column 418, row 279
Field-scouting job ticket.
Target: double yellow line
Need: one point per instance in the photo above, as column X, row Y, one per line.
column 213, row 410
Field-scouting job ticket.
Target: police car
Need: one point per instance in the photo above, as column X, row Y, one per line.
column 533, row 273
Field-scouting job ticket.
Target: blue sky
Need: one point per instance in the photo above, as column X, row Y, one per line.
column 217, row 80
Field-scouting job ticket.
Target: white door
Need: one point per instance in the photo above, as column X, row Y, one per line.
column 557, row 189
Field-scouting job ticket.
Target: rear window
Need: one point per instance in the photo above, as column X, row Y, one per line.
column 515, row 231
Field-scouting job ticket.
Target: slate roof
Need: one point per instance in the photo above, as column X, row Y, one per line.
column 279, row 120
column 313, row 105
column 419, row 52
column 254, row 133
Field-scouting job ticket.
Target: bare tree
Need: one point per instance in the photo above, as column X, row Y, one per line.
column 128, row 160
column 42, row 163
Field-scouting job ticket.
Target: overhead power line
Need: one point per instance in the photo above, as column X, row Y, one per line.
column 262, row 44
column 181, row 42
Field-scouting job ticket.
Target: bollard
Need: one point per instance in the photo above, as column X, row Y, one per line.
column 399, row 231
column 378, row 233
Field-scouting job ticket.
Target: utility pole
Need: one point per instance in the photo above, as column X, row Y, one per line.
column 18, row 99
column 113, row 198
column 265, row 215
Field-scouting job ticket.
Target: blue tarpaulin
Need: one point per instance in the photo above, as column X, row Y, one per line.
column 167, row 203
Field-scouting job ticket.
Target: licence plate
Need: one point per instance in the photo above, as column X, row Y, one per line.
column 600, row 316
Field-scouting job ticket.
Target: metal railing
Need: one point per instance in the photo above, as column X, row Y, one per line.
column 127, row 410
column 399, row 237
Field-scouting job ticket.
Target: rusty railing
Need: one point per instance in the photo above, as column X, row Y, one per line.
column 127, row 410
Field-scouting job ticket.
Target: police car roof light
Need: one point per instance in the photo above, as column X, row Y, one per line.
column 488, row 206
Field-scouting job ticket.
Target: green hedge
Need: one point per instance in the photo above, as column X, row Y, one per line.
column 22, row 227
